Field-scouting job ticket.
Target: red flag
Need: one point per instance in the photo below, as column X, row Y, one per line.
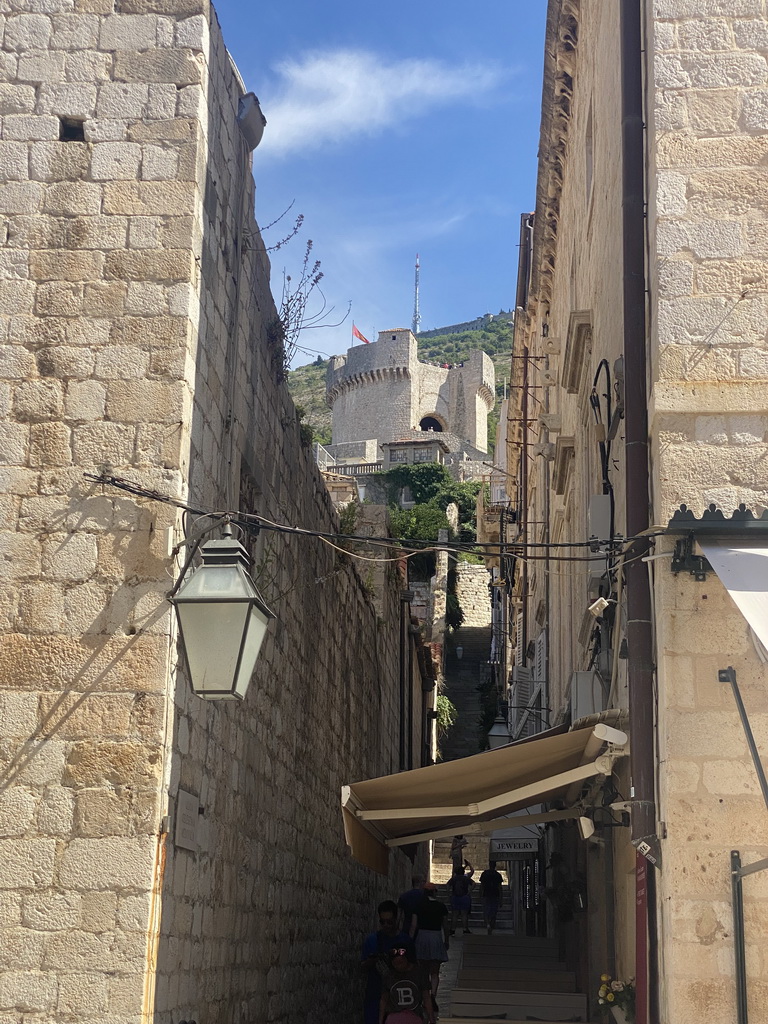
column 359, row 336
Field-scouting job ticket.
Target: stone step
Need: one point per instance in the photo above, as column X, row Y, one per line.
column 489, row 943
column 512, row 961
column 483, row 977
column 484, row 1020
column 548, row 1006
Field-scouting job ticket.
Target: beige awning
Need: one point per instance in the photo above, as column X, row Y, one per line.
column 473, row 793
column 742, row 566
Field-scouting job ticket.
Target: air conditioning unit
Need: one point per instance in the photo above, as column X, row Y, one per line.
column 587, row 696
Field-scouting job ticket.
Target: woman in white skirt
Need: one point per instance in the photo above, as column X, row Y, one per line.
column 431, row 923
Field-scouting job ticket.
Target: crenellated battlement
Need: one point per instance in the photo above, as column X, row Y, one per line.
column 343, row 384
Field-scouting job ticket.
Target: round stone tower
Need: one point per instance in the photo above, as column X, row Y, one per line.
column 381, row 391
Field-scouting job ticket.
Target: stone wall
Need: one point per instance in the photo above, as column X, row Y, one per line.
column 709, row 137
column 470, row 325
column 135, row 322
column 472, row 583
column 707, row 74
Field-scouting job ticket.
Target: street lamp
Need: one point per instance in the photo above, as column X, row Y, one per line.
column 222, row 619
column 498, row 734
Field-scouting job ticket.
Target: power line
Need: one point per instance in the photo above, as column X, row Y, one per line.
column 253, row 523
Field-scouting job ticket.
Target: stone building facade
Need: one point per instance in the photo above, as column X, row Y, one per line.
column 705, row 97
column 382, row 391
column 138, row 340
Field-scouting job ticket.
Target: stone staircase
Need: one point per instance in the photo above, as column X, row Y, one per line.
column 504, row 921
column 515, row 979
column 462, row 678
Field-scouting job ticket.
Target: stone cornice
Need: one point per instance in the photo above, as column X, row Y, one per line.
column 559, row 69
column 486, row 393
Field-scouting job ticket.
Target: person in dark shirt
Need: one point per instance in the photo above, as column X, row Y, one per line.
column 375, row 958
column 432, row 937
column 491, row 883
column 405, row 991
column 460, row 884
column 409, row 901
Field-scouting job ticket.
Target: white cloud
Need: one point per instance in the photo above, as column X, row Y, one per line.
column 332, row 96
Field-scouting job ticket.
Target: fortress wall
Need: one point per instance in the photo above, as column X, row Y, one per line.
column 382, row 409
column 382, row 391
column 433, row 394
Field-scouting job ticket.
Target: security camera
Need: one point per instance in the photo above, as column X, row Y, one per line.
column 597, row 607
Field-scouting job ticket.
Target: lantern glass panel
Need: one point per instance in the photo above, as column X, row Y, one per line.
column 217, row 583
column 257, row 628
column 498, row 734
column 213, row 636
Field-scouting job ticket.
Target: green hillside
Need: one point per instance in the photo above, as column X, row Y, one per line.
column 307, row 383
column 307, row 387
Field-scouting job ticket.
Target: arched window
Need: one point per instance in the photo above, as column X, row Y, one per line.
column 430, row 423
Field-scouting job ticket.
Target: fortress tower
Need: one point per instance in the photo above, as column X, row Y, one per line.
column 382, row 392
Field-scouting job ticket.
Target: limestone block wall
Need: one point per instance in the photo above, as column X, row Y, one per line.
column 709, row 136
column 120, row 351
column 473, row 595
column 707, row 73
column 585, row 288
column 96, row 264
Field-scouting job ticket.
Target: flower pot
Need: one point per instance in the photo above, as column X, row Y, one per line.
column 619, row 1015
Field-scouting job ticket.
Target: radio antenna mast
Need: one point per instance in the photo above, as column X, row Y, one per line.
column 416, row 322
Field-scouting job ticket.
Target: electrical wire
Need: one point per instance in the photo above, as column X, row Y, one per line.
column 253, row 523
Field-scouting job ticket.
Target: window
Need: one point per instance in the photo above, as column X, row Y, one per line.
column 71, row 129
column 423, row 455
column 399, row 455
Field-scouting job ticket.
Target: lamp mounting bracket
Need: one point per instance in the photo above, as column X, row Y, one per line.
column 685, row 559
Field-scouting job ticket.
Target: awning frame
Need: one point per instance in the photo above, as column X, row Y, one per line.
column 481, row 828
column 602, row 766
column 593, row 764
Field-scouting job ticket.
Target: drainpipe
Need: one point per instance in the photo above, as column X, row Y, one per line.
column 640, row 663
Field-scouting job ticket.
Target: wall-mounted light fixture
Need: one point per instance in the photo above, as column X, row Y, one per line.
column 250, row 119
column 498, row 734
column 222, row 618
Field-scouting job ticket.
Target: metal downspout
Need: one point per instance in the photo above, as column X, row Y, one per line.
column 640, row 664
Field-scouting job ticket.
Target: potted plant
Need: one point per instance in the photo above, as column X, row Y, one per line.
column 618, row 997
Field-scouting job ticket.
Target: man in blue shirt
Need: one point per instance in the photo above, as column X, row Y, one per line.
column 375, row 958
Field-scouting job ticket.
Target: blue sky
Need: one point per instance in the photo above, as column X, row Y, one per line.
column 397, row 128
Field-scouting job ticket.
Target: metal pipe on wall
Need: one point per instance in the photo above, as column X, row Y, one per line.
column 640, row 664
